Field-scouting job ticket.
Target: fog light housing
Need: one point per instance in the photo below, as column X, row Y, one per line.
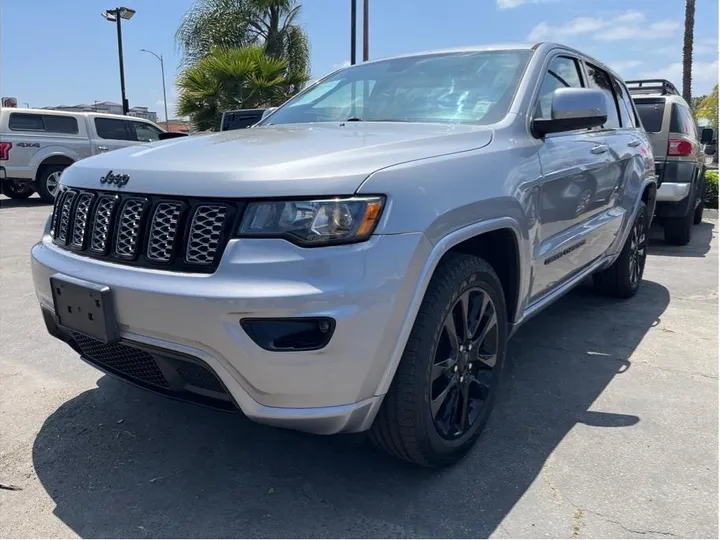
column 292, row 334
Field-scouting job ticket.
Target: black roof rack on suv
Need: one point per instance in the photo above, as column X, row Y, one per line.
column 652, row 86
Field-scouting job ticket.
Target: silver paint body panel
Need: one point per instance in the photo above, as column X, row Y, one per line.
column 444, row 184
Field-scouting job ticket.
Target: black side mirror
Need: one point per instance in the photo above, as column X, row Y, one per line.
column 707, row 135
column 571, row 109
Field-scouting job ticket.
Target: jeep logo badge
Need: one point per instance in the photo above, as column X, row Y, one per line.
column 118, row 179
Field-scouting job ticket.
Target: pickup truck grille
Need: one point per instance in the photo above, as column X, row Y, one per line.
column 155, row 231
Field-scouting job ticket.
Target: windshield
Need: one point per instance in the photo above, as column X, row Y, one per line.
column 469, row 87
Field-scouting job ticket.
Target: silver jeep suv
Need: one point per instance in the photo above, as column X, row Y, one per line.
column 358, row 260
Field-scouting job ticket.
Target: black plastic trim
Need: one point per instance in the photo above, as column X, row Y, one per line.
column 250, row 326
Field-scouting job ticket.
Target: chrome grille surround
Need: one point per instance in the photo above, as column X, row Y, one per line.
column 184, row 234
column 129, row 220
column 80, row 223
column 163, row 231
column 65, row 216
column 205, row 233
column 101, row 223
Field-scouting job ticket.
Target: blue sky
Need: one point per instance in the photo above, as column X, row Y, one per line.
column 55, row 52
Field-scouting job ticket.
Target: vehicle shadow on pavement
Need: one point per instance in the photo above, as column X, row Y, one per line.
column 699, row 246
column 120, row 462
column 20, row 203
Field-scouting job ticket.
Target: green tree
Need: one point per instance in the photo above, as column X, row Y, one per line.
column 708, row 108
column 226, row 79
column 271, row 24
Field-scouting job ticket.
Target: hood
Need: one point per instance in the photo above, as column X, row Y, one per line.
column 273, row 161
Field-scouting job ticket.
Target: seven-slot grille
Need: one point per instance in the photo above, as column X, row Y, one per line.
column 144, row 230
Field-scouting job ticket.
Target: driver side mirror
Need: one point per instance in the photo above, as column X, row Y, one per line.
column 571, row 109
column 707, row 135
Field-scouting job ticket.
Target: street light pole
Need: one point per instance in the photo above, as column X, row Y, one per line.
column 122, row 68
column 162, row 71
column 116, row 15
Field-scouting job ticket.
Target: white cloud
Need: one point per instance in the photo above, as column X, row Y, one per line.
column 632, row 24
column 509, row 4
column 625, row 66
column 704, row 75
column 706, row 46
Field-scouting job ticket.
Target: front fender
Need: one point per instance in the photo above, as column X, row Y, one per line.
column 438, row 250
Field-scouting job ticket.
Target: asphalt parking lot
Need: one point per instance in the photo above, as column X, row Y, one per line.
column 607, row 426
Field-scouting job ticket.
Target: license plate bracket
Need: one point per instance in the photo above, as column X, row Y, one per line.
column 85, row 307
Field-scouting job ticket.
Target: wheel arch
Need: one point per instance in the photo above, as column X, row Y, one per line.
column 473, row 239
column 54, row 159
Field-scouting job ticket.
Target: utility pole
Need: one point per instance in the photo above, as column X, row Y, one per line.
column 366, row 30
column 353, row 31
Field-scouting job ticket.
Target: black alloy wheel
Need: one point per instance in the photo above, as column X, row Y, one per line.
column 464, row 363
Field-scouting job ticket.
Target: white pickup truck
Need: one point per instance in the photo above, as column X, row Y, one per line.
column 36, row 145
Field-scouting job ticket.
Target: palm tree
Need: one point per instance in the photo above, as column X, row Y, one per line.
column 688, row 49
column 227, row 79
column 236, row 23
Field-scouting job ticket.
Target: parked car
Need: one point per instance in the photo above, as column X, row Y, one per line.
column 36, row 145
column 358, row 260
column 679, row 157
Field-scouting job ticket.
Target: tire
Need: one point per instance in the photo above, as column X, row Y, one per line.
column 17, row 190
column 697, row 217
column 48, row 180
column 620, row 280
column 678, row 231
column 406, row 426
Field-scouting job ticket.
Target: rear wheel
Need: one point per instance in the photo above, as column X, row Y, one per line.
column 678, row 231
column 48, row 181
column 622, row 279
column 445, row 385
column 17, row 190
column 697, row 218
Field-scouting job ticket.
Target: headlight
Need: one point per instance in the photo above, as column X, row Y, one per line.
column 313, row 223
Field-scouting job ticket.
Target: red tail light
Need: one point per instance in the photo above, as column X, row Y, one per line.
column 679, row 147
column 5, row 150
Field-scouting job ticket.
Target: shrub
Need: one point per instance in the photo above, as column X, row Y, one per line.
column 711, row 189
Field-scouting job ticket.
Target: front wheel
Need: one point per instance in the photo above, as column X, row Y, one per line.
column 622, row 279
column 17, row 190
column 445, row 385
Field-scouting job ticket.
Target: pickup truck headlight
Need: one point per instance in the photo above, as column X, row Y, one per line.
column 312, row 223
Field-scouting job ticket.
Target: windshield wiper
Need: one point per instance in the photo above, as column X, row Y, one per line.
column 354, row 119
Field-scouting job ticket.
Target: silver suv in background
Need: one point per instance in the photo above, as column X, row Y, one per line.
column 36, row 145
column 679, row 158
column 358, row 260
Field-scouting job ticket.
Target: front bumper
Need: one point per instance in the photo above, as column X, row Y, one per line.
column 366, row 288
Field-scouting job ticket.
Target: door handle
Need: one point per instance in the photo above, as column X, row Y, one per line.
column 599, row 149
column 634, row 143
column 103, row 148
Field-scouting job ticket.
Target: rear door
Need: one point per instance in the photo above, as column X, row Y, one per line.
column 656, row 123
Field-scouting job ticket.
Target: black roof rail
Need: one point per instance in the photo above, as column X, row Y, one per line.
column 652, row 86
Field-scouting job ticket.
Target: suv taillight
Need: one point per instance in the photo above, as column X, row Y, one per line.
column 679, row 147
column 5, row 150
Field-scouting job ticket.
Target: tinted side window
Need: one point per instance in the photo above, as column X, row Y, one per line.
column 627, row 118
column 563, row 72
column 145, row 132
column 681, row 121
column 601, row 80
column 652, row 112
column 60, row 124
column 26, row 122
column 110, row 128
